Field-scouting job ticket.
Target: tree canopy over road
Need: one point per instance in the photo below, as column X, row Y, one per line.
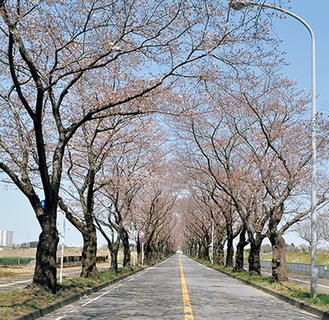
column 152, row 115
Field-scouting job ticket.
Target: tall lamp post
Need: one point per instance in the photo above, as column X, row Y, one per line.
column 238, row 5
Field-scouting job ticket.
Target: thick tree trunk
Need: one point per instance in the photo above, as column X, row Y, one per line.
column 279, row 270
column 254, row 255
column 230, row 248
column 193, row 249
column 148, row 251
column 126, row 248
column 45, row 274
column 219, row 253
column 205, row 252
column 114, row 249
column 159, row 249
column 204, row 248
column 89, row 253
column 239, row 256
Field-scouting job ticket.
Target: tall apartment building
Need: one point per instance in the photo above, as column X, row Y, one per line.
column 6, row 238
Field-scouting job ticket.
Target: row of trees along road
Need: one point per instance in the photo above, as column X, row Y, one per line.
column 81, row 84
column 246, row 160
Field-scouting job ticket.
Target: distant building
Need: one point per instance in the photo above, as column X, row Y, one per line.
column 6, row 238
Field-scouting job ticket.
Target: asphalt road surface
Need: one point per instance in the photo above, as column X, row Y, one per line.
column 179, row 288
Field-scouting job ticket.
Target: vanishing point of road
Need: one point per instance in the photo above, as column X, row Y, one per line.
column 179, row 288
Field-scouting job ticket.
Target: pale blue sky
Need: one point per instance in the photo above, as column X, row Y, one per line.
column 15, row 211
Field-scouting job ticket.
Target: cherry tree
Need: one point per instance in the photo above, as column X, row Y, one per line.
column 126, row 173
column 254, row 139
column 65, row 63
column 154, row 207
column 281, row 150
column 303, row 228
column 86, row 155
column 283, row 157
column 211, row 211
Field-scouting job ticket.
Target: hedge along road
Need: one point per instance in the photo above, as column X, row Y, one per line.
column 179, row 288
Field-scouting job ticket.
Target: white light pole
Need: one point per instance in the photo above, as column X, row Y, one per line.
column 238, row 5
column 62, row 253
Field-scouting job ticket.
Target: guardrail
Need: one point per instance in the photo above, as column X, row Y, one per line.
column 71, row 260
column 294, row 267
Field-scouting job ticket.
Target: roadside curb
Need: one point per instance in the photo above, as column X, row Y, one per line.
column 300, row 304
column 59, row 304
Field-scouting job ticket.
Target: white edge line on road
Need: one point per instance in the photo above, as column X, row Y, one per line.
column 140, row 274
column 211, row 269
column 103, row 294
column 108, row 291
column 13, row 283
column 73, row 310
column 62, row 317
column 298, row 280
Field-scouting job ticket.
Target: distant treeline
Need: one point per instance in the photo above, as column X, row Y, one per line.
column 31, row 244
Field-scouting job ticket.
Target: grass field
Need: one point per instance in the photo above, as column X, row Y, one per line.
column 302, row 257
column 17, row 252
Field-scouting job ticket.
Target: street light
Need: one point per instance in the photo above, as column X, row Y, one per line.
column 62, row 252
column 238, row 5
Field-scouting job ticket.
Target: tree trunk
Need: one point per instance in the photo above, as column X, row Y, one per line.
column 148, row 251
column 139, row 252
column 126, row 248
column 219, row 246
column 204, row 247
column 239, row 257
column 254, row 255
column 193, row 249
column 219, row 253
column 45, row 274
column 89, row 253
column 279, row 270
column 114, row 249
column 230, row 248
column 205, row 252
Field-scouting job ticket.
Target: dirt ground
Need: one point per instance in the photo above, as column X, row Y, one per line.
column 18, row 252
column 8, row 271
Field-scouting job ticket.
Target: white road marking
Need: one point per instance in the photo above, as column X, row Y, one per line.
column 303, row 281
column 13, row 283
column 101, row 295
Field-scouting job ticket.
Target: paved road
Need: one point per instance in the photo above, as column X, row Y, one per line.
column 21, row 281
column 179, row 288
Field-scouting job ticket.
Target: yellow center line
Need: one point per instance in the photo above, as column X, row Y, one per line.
column 188, row 315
